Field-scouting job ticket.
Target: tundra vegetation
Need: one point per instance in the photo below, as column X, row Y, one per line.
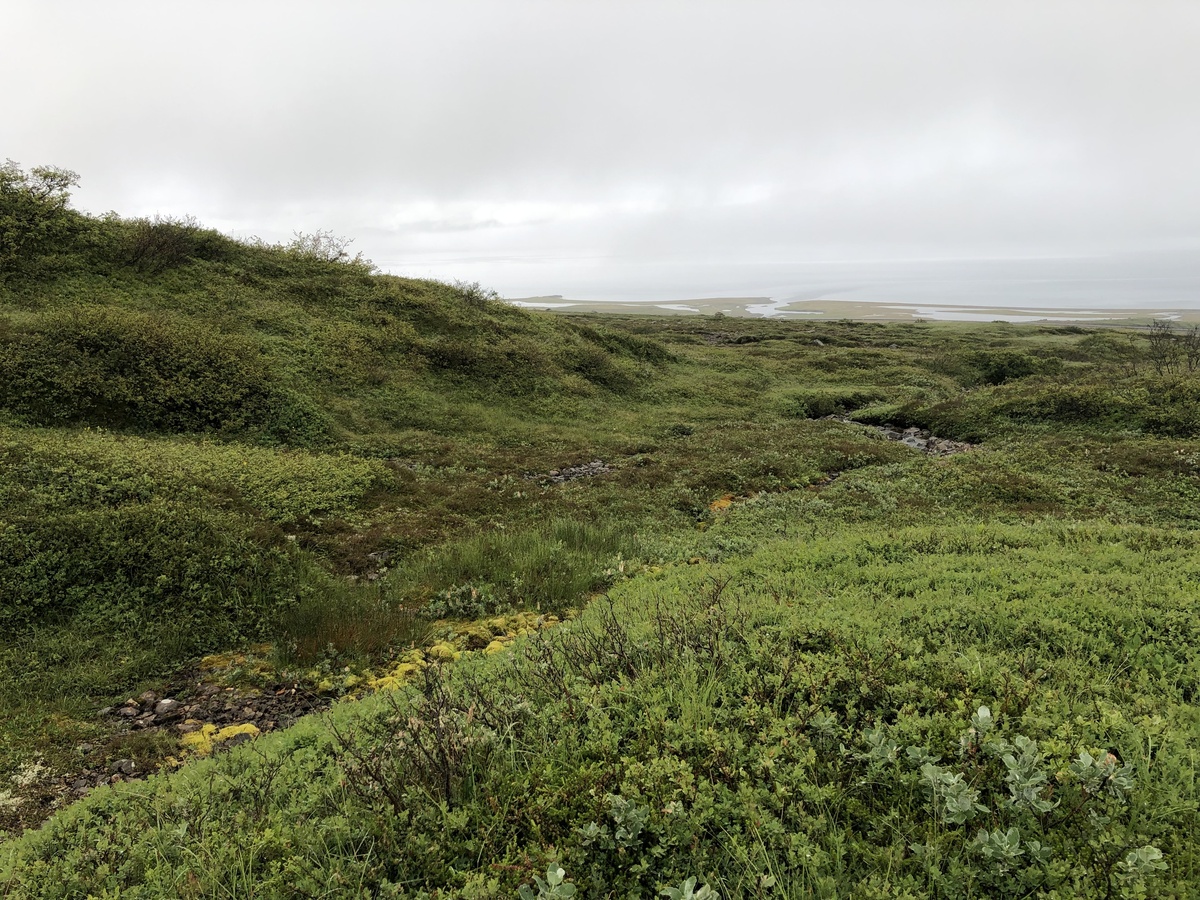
column 795, row 658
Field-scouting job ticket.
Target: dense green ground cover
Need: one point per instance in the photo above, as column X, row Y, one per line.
column 948, row 710
column 826, row 665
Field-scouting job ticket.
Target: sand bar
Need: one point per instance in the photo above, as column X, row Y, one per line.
column 766, row 307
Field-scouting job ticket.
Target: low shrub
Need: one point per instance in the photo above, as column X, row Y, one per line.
column 1158, row 405
column 155, row 245
column 818, row 402
column 513, row 366
column 120, row 568
column 124, row 369
column 601, row 367
column 47, row 471
column 1000, row 366
column 35, row 221
column 623, row 343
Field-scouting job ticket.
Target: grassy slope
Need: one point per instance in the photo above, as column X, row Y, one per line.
column 739, row 739
column 748, row 716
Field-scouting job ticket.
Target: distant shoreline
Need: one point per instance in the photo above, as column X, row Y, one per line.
column 875, row 311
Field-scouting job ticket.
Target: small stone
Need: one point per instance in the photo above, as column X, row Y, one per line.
column 236, row 740
column 167, row 707
column 149, row 698
column 189, row 726
column 123, row 767
column 129, row 712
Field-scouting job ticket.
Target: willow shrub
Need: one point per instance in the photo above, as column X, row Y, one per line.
column 120, row 368
column 131, row 565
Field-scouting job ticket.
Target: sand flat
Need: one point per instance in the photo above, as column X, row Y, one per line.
column 766, row 307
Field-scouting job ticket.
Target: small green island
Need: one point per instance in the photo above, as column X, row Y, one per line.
column 322, row 582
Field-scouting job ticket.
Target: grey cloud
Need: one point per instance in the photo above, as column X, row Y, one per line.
column 567, row 137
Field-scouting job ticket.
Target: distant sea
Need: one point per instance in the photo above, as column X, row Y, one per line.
column 943, row 289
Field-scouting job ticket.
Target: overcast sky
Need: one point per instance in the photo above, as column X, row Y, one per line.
column 579, row 147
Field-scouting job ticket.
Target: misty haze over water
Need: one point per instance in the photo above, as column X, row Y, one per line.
column 1129, row 281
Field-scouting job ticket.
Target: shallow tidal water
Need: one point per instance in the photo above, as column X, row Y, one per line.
column 1016, row 290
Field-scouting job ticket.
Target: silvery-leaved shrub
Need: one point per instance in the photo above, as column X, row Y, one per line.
column 688, row 891
column 553, row 887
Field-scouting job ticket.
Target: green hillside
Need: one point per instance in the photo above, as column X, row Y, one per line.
column 650, row 600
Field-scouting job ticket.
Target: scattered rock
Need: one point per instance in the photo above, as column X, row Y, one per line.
column 917, row 438
column 239, row 713
column 166, row 707
column 925, row 441
column 570, row 473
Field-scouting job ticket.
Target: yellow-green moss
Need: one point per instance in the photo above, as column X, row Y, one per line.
column 203, row 741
